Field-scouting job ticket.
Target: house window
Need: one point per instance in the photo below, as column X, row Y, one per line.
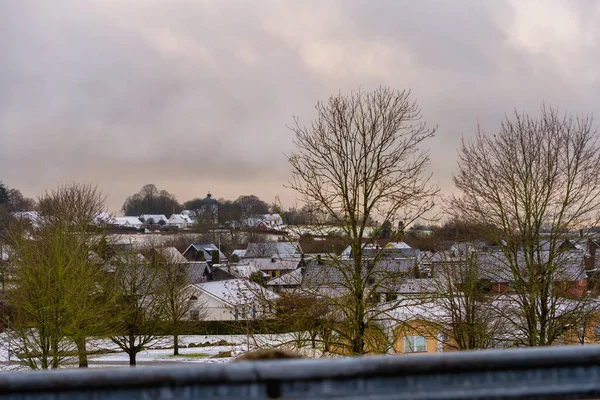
column 243, row 312
column 194, row 314
column 597, row 332
column 236, row 313
column 415, row 344
column 253, row 311
column 193, row 298
column 264, row 309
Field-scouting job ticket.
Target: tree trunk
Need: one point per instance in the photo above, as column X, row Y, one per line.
column 175, row 345
column 82, row 352
column 132, row 351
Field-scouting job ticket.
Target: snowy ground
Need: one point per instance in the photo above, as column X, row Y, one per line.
column 193, row 349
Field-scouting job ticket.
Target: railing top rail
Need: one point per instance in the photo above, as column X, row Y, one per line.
column 559, row 372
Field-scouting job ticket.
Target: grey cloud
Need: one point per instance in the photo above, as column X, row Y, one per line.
column 187, row 95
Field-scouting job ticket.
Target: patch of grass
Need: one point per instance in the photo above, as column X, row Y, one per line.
column 191, row 355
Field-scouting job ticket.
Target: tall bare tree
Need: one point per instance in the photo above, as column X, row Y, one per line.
column 362, row 158
column 57, row 291
column 173, row 292
column 530, row 184
column 465, row 298
column 139, row 306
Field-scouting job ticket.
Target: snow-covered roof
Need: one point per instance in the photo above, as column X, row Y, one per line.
column 31, row 216
column 103, row 218
column 417, row 286
column 239, row 253
column 293, row 278
column 127, row 221
column 179, row 219
column 274, row 249
column 207, row 249
column 172, row 255
column 130, row 258
column 397, row 245
column 244, row 271
column 155, row 217
column 269, row 264
column 236, row 291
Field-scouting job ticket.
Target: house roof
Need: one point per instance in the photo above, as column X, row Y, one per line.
column 397, row 245
column 179, row 219
column 129, row 257
column 332, row 273
column 207, row 249
column 127, row 221
column 195, row 271
column 494, row 266
column 155, row 217
column 239, row 253
column 244, row 271
column 273, row 249
column 293, row 278
column 391, row 250
column 270, row 264
column 417, row 286
column 172, row 255
column 236, row 291
column 31, row 216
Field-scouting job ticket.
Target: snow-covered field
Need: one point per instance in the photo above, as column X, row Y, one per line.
column 193, row 349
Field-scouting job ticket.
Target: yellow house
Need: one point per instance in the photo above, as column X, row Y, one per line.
column 420, row 336
column 588, row 332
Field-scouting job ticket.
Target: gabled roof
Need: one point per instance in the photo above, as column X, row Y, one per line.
column 236, row 292
column 131, row 221
column 172, row 255
column 293, row 278
column 207, row 249
column 273, row 249
column 179, row 219
column 244, row 271
column 195, row 271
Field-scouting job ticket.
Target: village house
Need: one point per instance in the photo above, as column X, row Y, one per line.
column 128, row 222
column 154, row 219
column 230, row 300
column 204, row 252
column 180, row 221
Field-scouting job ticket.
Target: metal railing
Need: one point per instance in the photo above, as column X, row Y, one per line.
column 556, row 373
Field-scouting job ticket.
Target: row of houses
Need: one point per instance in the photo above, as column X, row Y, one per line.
column 228, row 290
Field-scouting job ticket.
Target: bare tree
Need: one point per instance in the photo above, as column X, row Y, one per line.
column 531, row 184
column 139, row 307
column 361, row 158
column 58, row 280
column 174, row 295
column 465, row 297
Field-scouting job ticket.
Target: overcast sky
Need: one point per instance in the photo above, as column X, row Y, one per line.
column 195, row 96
